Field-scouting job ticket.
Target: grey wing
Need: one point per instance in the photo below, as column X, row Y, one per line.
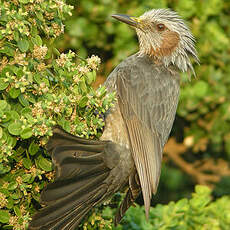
column 148, row 100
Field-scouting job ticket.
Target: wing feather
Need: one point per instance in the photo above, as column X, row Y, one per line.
column 147, row 98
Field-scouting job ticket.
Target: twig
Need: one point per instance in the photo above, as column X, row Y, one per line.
column 206, row 172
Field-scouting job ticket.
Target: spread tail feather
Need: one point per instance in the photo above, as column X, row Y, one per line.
column 81, row 170
column 67, row 213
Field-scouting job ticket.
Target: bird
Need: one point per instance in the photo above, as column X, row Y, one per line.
column 129, row 153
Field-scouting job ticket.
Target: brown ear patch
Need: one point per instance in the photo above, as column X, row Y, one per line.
column 169, row 43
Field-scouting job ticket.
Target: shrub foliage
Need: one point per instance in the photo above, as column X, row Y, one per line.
column 39, row 87
column 197, row 213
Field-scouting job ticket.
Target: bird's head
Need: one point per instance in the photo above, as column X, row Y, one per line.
column 164, row 36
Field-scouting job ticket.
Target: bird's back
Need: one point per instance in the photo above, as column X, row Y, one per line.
column 152, row 82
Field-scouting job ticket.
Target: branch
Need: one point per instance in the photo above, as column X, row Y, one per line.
column 206, row 172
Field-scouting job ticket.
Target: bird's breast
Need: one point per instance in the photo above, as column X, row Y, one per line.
column 116, row 132
column 115, row 129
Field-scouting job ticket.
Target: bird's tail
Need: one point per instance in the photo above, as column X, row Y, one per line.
column 81, row 170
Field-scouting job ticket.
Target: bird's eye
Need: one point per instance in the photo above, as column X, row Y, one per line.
column 160, row 27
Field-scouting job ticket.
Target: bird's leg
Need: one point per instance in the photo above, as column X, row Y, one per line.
column 131, row 195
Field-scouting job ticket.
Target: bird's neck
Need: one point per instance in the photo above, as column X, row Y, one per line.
column 158, row 62
column 173, row 59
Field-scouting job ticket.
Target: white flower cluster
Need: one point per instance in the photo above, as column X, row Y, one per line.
column 93, row 62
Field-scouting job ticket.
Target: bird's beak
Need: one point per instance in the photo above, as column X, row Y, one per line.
column 132, row 21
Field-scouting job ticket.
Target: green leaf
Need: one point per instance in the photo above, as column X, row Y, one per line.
column 23, row 45
column 8, row 51
column 4, row 169
column 37, row 40
column 26, row 133
column 181, row 205
column 17, row 195
column 16, row 36
column 3, row 104
column 46, row 81
column 11, row 141
column 44, row 164
column 23, row 100
column 102, row 91
column 40, row 16
column 202, row 190
column 91, row 77
column 17, row 211
column 10, row 203
column 4, row 216
column 4, row 191
column 1, row 132
column 33, row 148
column 56, row 51
column 83, row 102
column 24, row 1
column 37, row 78
column 7, row 116
column 3, row 84
column 26, row 110
column 14, row 69
column 15, row 128
column 12, row 185
column 14, row 115
column 1, row 113
column 27, row 163
column 20, row 73
column 14, row 93
column 31, row 98
column 83, row 86
column 4, row 135
column 66, row 126
column 26, row 178
column 34, row 31
column 7, row 69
